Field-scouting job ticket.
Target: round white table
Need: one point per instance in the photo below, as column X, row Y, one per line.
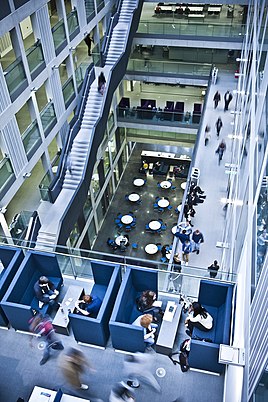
column 154, row 225
column 175, row 229
column 163, row 203
column 127, row 219
column 180, row 227
column 120, row 239
column 183, row 185
column 151, row 248
column 165, row 184
column 179, row 208
column 138, row 182
column 133, row 197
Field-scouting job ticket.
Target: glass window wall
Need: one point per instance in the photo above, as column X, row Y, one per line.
column 95, row 183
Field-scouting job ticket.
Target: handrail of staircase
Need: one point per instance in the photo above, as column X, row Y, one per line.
column 106, row 41
column 56, row 184
column 73, row 209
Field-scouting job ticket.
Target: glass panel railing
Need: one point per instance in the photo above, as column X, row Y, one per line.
column 192, row 29
column 31, row 138
column 80, row 73
column 169, row 67
column 47, row 179
column 179, row 137
column 6, row 172
column 96, row 53
column 100, row 5
column 90, row 9
column 35, row 57
column 68, row 91
column 73, row 24
column 15, row 76
column 110, row 122
column 157, row 116
column 59, row 35
column 48, row 117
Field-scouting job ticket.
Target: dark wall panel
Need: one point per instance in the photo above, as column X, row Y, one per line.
column 19, row 3
column 4, row 9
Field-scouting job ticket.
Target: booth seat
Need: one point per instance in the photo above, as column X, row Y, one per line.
column 217, row 299
column 95, row 331
column 162, row 171
column 19, row 301
column 11, row 259
column 124, row 335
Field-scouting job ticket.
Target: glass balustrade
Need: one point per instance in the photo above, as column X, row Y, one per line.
column 96, row 53
column 15, row 77
column 169, row 67
column 157, row 116
column 110, row 122
column 68, row 91
column 59, row 36
column 192, row 29
column 35, row 59
column 180, row 138
column 73, row 25
column 31, row 139
column 100, row 5
column 90, row 9
column 80, row 73
column 6, row 174
column 48, row 117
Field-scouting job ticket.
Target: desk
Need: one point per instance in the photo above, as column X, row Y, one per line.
column 121, row 238
column 37, row 396
column 138, row 182
column 127, row 219
column 165, row 184
column 61, row 319
column 163, row 203
column 133, row 197
column 168, row 332
column 151, row 249
column 154, row 225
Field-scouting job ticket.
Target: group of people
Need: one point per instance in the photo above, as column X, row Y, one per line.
column 195, row 196
column 190, row 243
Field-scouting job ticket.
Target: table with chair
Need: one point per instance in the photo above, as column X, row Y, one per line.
column 127, row 219
column 154, row 225
column 165, row 184
column 163, row 203
column 121, row 239
column 134, row 197
column 138, row 182
column 151, row 248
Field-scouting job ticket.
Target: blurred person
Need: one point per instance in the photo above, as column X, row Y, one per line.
column 139, row 367
column 42, row 326
column 146, row 321
column 227, row 99
column 101, row 83
column 89, row 305
column 220, row 150
column 197, row 238
column 216, row 99
column 174, row 276
column 121, row 392
column 45, row 291
column 213, row 269
column 73, row 364
column 207, row 135
column 186, row 250
column 218, row 126
column 198, row 317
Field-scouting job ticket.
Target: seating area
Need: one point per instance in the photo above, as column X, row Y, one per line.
column 217, row 300
column 186, row 10
column 19, row 301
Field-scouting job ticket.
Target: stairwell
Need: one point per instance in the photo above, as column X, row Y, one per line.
column 51, row 214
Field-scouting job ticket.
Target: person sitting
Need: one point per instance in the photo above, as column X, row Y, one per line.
column 157, row 166
column 146, row 300
column 111, row 243
column 89, row 305
column 213, row 269
column 146, row 321
column 198, row 317
column 45, row 291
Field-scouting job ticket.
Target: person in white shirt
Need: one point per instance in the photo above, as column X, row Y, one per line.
column 198, row 317
column 150, row 328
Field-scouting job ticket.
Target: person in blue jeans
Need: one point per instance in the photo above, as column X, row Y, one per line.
column 89, row 305
column 146, row 321
column 197, row 238
column 186, row 250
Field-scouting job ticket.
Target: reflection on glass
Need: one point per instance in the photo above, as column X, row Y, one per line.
column 112, row 145
column 72, row 21
column 80, row 73
column 92, row 232
column 95, row 184
column 106, row 161
column 110, row 121
column 68, row 91
column 169, row 67
column 90, row 9
column 48, row 117
column 58, row 33
column 262, row 232
column 6, row 172
column 87, row 207
column 31, row 138
column 35, row 56
column 15, row 75
column 74, row 235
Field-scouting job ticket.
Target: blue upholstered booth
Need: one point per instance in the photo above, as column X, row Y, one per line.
column 10, row 258
column 19, row 299
column 217, row 299
column 124, row 335
column 95, row 331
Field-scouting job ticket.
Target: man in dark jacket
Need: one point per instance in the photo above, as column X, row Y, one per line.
column 213, row 269
column 227, row 99
column 45, row 292
column 197, row 238
column 182, row 236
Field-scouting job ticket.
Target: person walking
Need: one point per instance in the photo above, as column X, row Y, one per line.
column 227, row 99
column 220, row 150
column 217, row 99
column 207, row 135
column 88, row 41
column 186, row 249
column 73, row 364
column 42, row 326
column 101, row 83
column 69, row 163
column 213, row 269
column 218, row 126
column 197, row 238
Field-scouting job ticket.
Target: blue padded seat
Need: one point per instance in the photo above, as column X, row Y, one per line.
column 134, row 246
column 11, row 259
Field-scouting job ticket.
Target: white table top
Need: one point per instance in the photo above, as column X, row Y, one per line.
column 121, row 238
column 214, row 8
column 154, row 225
column 180, row 227
column 38, row 395
column 179, row 208
column 73, row 294
column 165, row 184
column 127, row 219
column 183, row 185
column 138, row 182
column 151, row 248
column 133, row 197
column 175, row 229
column 163, row 203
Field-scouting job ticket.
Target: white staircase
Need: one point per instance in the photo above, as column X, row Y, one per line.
column 50, row 220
